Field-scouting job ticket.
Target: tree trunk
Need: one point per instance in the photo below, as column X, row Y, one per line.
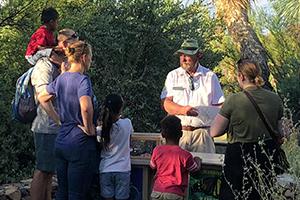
column 234, row 14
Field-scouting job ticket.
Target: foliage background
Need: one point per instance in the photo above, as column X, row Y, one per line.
column 133, row 44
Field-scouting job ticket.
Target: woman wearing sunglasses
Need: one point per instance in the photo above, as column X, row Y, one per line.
column 75, row 145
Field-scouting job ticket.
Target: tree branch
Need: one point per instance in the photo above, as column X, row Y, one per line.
column 12, row 16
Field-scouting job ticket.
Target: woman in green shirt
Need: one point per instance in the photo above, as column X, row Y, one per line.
column 244, row 153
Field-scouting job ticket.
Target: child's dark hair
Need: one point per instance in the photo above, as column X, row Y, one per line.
column 112, row 105
column 171, row 127
column 49, row 14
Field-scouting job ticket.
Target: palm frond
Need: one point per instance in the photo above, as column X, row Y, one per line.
column 288, row 10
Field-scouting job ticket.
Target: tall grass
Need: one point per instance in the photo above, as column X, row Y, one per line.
column 277, row 187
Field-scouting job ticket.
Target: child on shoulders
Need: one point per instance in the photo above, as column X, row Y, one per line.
column 43, row 40
column 115, row 165
column 172, row 163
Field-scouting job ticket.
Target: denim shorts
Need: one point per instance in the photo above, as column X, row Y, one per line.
column 165, row 196
column 115, row 184
column 44, row 151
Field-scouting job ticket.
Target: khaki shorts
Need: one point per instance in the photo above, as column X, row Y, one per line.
column 197, row 141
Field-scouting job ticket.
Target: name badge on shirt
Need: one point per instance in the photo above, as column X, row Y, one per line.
column 178, row 88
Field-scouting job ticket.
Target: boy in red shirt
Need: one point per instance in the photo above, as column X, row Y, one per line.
column 172, row 163
column 43, row 40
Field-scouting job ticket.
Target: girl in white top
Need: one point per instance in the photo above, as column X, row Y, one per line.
column 115, row 163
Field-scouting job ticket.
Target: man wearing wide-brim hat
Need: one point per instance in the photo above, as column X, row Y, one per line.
column 189, row 90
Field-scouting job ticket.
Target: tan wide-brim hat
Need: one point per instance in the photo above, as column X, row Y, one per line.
column 188, row 47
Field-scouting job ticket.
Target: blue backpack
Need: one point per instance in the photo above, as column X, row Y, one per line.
column 24, row 107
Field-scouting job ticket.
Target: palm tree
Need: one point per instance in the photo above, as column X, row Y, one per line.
column 288, row 10
column 235, row 15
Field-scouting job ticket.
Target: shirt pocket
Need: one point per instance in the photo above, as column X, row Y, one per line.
column 178, row 92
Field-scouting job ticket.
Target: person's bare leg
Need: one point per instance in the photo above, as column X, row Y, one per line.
column 39, row 185
column 49, row 187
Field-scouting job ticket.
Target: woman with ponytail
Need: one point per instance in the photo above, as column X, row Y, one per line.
column 75, row 145
column 115, row 163
column 250, row 144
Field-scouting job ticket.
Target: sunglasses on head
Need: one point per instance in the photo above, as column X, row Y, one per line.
column 74, row 36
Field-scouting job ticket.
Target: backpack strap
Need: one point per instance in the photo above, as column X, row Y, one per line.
column 262, row 117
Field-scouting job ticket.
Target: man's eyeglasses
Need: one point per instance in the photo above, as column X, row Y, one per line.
column 191, row 83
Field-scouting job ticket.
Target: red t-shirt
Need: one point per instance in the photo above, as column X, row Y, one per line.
column 173, row 165
column 42, row 37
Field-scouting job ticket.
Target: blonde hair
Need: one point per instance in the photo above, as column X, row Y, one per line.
column 251, row 70
column 75, row 50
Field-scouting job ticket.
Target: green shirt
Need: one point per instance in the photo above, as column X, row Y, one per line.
column 245, row 124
